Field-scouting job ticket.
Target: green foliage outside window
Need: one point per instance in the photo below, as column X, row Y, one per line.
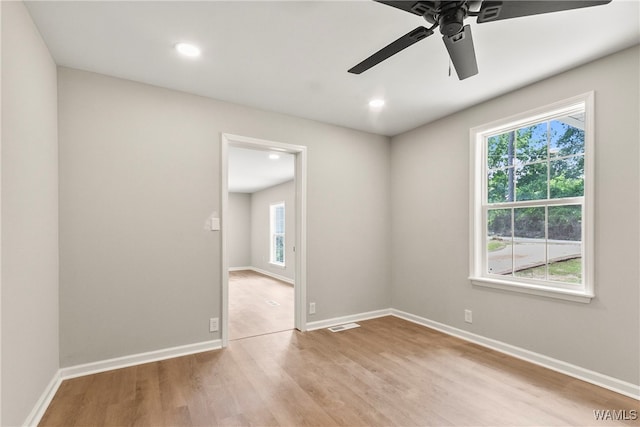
column 542, row 161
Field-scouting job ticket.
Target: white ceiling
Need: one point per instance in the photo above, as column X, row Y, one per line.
column 252, row 170
column 292, row 56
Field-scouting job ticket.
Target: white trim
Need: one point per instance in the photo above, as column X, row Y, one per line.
column 536, row 114
column 322, row 324
column 1, row 116
column 596, row 378
column 224, row 253
column 44, row 401
column 300, row 320
column 588, row 233
column 138, row 359
column 531, row 289
column 62, row 374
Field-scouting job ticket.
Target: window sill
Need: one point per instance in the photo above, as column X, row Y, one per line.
column 277, row 265
column 557, row 293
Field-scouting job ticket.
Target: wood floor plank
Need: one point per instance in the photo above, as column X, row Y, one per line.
column 281, row 393
column 147, row 399
column 335, row 390
column 388, row 372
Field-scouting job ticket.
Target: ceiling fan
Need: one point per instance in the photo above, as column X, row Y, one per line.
column 449, row 15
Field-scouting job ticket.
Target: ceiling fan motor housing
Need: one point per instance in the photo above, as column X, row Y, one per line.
column 451, row 17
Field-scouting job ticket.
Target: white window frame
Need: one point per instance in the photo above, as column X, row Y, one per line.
column 478, row 206
column 273, row 234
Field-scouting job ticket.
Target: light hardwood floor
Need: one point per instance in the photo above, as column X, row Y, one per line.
column 388, row 372
column 258, row 304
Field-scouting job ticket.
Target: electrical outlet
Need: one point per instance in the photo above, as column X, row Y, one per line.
column 312, row 308
column 468, row 316
column 213, row 324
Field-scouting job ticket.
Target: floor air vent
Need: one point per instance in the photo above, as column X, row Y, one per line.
column 343, row 327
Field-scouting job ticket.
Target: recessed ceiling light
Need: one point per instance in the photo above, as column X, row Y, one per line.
column 376, row 103
column 274, row 156
column 188, row 49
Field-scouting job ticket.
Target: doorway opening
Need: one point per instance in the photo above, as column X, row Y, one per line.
column 263, row 237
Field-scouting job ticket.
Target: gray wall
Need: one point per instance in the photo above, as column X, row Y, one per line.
column 239, row 223
column 260, row 228
column 29, row 215
column 140, row 174
column 430, row 223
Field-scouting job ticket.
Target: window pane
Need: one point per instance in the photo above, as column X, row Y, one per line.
column 498, row 188
column 565, row 243
column 499, row 149
column 529, row 222
column 531, row 144
column 533, row 200
column 277, row 233
column 567, row 177
column 279, row 248
column 531, row 182
column 529, row 251
column 499, row 247
column 279, row 219
column 566, row 271
column 567, row 135
column 565, row 223
column 499, row 223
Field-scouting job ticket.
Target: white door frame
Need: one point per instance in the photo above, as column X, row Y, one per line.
column 300, row 287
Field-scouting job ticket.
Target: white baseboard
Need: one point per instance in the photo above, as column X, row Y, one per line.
column 41, row 406
column 266, row 273
column 43, row 403
column 321, row 324
column 601, row 380
column 138, row 359
column 596, row 378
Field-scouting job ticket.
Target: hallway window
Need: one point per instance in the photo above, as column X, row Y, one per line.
column 277, row 233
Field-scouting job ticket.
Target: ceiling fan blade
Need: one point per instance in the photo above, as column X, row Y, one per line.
column 498, row 10
column 462, row 53
column 416, row 7
column 391, row 49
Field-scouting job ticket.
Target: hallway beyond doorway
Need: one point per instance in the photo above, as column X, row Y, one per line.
column 258, row 304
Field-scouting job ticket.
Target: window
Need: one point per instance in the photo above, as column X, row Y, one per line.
column 531, row 208
column 276, row 215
